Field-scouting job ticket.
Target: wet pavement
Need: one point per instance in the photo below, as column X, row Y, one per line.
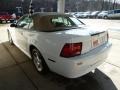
column 17, row 71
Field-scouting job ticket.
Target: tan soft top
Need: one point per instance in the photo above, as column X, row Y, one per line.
column 42, row 21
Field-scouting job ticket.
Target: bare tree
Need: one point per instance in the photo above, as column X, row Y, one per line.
column 51, row 5
column 114, row 4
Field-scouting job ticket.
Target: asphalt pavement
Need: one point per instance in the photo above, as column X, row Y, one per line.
column 17, row 71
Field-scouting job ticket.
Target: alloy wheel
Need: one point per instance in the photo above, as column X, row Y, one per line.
column 37, row 60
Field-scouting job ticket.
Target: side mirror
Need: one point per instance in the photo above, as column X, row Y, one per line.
column 13, row 25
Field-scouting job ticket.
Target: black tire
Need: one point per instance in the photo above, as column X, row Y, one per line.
column 39, row 61
column 11, row 21
column 10, row 38
column 105, row 17
column 1, row 21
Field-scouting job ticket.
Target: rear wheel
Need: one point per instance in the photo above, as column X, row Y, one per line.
column 105, row 17
column 38, row 61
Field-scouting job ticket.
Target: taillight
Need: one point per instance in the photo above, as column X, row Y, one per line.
column 71, row 50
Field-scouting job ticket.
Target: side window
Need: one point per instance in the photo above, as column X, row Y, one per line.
column 24, row 22
column 115, row 11
column 61, row 22
column 57, row 21
column 118, row 11
column 67, row 22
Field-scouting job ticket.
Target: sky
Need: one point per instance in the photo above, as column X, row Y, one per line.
column 116, row 1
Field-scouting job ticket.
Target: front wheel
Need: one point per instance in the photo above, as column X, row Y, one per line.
column 39, row 62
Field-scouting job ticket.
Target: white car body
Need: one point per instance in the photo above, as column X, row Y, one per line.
column 114, row 13
column 86, row 14
column 103, row 14
column 50, row 45
column 79, row 14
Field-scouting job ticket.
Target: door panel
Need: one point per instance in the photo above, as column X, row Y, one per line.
column 21, row 38
column 21, row 30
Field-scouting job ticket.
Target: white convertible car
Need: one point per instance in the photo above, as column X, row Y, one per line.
column 60, row 43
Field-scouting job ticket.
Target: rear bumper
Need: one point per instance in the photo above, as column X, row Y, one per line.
column 81, row 65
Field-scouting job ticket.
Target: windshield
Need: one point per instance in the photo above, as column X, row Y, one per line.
column 94, row 12
column 76, row 21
